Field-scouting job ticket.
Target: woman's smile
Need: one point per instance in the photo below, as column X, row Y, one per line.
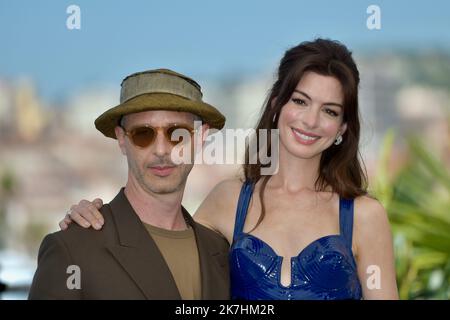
column 304, row 137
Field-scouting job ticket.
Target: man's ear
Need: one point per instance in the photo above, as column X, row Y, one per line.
column 205, row 131
column 120, row 135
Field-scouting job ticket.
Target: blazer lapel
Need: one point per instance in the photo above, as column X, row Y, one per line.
column 138, row 253
column 212, row 263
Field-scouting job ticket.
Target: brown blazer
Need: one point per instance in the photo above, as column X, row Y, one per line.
column 121, row 261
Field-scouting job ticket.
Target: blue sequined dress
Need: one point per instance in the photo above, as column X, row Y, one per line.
column 324, row 270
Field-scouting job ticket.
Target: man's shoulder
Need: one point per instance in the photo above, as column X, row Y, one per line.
column 79, row 237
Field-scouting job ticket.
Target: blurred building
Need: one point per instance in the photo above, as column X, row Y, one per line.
column 29, row 116
column 425, row 112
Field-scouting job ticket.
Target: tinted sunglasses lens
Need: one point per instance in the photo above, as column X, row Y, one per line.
column 142, row 137
column 175, row 134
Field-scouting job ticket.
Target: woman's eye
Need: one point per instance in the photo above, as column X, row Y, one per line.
column 299, row 101
column 332, row 112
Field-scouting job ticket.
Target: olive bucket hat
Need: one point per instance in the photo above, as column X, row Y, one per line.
column 159, row 89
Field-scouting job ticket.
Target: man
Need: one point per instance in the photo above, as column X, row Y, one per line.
column 149, row 246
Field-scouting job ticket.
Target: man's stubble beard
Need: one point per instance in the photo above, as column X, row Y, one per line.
column 175, row 182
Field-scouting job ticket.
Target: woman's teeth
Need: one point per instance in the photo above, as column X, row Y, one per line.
column 305, row 137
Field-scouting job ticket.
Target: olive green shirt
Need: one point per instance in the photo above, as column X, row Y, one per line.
column 179, row 249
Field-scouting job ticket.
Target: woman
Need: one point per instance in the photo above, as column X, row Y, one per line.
column 309, row 231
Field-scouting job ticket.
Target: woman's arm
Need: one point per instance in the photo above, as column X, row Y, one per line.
column 217, row 211
column 374, row 250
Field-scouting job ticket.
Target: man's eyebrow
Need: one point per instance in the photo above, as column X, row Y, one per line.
column 326, row 103
column 171, row 123
column 180, row 123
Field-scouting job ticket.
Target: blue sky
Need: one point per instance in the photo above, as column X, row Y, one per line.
column 200, row 38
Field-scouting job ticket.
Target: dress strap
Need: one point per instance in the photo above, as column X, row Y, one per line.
column 242, row 207
column 346, row 220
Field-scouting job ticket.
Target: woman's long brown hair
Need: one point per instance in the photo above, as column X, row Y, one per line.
column 340, row 165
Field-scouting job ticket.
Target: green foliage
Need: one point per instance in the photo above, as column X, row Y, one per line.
column 417, row 200
column 7, row 184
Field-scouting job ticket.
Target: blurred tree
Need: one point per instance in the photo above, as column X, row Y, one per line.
column 32, row 235
column 7, row 184
column 417, row 200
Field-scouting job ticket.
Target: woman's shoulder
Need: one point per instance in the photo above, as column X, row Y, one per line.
column 371, row 218
column 225, row 195
column 228, row 186
column 218, row 209
column 368, row 208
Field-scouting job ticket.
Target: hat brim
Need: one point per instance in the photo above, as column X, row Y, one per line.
column 158, row 101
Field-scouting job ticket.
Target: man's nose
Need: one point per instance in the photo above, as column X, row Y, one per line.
column 162, row 146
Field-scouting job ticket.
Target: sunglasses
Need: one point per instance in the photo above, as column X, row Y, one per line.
column 143, row 136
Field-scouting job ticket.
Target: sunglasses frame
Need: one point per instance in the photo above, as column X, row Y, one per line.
column 156, row 130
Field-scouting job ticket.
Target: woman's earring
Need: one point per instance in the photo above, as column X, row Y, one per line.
column 338, row 140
